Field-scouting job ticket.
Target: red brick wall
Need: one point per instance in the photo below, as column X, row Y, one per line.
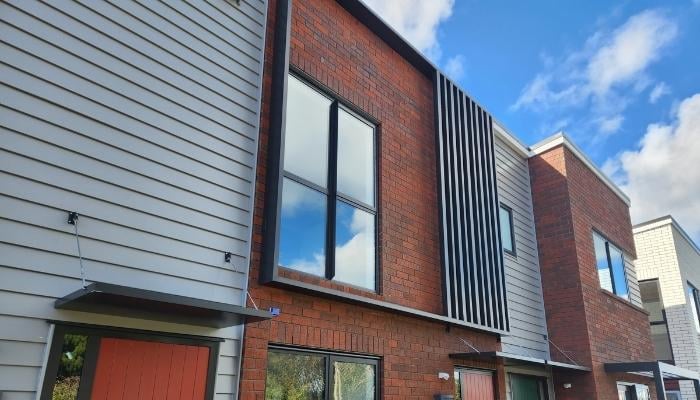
column 328, row 44
column 595, row 326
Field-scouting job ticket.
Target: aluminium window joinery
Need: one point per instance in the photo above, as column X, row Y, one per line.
column 329, row 210
column 611, row 266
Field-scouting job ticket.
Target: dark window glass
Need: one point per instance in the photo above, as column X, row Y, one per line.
column 354, row 246
column 70, row 367
column 693, row 300
column 328, row 189
column 353, row 381
column 611, row 267
column 662, row 343
column 303, row 229
column 301, row 375
column 306, row 132
column 507, row 234
column 295, row 376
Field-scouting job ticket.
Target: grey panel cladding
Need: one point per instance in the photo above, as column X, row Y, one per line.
column 473, row 273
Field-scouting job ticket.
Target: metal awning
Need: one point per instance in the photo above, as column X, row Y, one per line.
column 659, row 371
column 105, row 298
column 517, row 359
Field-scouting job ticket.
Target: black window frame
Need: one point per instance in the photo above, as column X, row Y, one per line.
column 664, row 320
column 95, row 332
column 333, row 196
column 328, row 358
column 609, row 243
column 513, row 252
column 696, row 299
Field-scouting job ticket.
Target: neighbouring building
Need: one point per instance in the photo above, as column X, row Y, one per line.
column 591, row 290
column 668, row 269
column 129, row 135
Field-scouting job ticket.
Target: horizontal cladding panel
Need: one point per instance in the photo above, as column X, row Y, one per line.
column 143, row 117
column 104, row 190
column 114, row 233
column 24, row 354
column 112, row 20
column 474, row 272
column 209, row 134
column 60, row 199
column 523, row 279
column 183, row 282
column 43, row 143
column 64, row 72
column 109, row 55
column 64, row 243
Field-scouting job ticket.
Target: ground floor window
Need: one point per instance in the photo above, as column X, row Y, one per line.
column 88, row 362
column 632, row 391
column 472, row 384
column 528, row 387
column 313, row 375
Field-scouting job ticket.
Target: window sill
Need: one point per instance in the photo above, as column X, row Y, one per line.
column 623, row 301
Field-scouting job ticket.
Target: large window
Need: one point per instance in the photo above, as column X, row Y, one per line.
column 328, row 223
column 507, row 233
column 293, row 374
column 694, row 301
column 611, row 266
column 651, row 300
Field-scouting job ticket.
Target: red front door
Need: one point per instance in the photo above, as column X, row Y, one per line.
column 475, row 385
column 143, row 370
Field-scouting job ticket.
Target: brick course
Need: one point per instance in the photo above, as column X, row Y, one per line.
column 331, row 46
column 594, row 326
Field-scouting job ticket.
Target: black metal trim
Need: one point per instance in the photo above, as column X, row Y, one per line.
column 120, row 298
column 96, row 332
column 278, row 107
column 340, row 295
column 332, row 190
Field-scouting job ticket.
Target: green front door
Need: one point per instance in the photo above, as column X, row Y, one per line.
column 525, row 387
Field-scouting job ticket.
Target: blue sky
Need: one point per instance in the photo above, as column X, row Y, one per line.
column 618, row 77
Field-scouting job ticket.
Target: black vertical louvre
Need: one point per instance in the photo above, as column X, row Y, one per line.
column 474, row 281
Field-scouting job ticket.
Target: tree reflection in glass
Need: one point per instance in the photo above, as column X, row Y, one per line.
column 353, row 381
column 293, row 376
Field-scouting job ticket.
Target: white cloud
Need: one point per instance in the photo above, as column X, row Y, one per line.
column 415, row 20
column 454, row 68
column 661, row 89
column 604, row 75
column 662, row 176
column 611, row 124
column 633, row 46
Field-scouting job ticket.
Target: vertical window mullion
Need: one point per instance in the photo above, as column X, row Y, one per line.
column 332, row 190
column 610, row 267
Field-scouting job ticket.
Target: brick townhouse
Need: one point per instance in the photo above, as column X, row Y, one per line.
column 283, row 199
column 428, row 293
column 591, row 290
column 667, row 267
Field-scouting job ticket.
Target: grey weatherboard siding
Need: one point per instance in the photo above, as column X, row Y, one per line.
column 142, row 117
column 528, row 324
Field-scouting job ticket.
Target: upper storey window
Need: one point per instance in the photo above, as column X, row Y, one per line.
column 507, row 233
column 611, row 266
column 328, row 222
